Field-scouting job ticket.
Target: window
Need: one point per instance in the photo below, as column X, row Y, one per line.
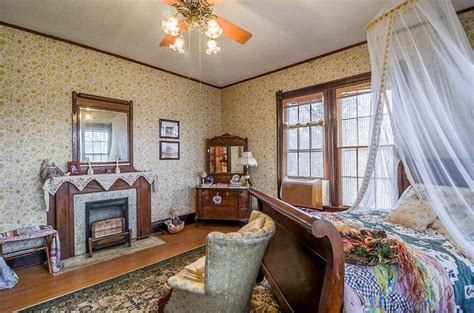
column 303, row 120
column 353, row 116
column 323, row 132
column 96, row 142
column 353, row 119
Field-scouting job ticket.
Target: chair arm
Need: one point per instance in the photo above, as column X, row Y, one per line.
column 179, row 282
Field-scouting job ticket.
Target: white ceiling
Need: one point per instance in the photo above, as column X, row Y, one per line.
column 284, row 31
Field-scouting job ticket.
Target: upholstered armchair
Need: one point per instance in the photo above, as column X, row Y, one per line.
column 223, row 280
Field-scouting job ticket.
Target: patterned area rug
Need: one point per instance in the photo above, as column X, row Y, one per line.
column 110, row 253
column 140, row 291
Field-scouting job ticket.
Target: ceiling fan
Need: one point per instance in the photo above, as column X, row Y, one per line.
column 199, row 14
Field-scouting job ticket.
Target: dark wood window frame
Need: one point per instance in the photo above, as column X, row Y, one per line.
column 331, row 162
column 81, row 100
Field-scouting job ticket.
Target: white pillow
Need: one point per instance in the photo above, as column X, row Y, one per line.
column 411, row 212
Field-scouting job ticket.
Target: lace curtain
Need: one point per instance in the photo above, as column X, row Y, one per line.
column 423, row 100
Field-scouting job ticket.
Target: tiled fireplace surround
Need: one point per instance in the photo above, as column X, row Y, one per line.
column 79, row 205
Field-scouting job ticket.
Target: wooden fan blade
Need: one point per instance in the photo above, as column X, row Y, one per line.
column 170, row 39
column 212, row 2
column 167, row 41
column 168, row 2
column 233, row 31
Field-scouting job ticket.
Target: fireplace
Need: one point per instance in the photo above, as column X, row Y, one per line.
column 67, row 210
column 105, row 210
column 94, row 207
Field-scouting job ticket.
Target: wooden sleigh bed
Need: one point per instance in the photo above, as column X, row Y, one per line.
column 304, row 262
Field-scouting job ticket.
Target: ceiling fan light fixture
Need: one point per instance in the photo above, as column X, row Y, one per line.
column 178, row 45
column 213, row 29
column 212, row 47
column 170, row 26
column 198, row 15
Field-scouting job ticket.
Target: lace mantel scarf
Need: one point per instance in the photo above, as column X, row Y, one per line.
column 52, row 184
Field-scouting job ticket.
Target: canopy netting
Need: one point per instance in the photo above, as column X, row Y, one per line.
column 422, row 113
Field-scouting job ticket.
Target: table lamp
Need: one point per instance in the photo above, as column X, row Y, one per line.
column 247, row 160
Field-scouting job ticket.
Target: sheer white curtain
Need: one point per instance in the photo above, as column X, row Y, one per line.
column 119, row 138
column 423, row 78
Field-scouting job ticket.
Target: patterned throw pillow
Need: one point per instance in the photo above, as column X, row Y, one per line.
column 411, row 212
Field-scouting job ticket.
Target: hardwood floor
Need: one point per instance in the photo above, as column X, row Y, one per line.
column 36, row 285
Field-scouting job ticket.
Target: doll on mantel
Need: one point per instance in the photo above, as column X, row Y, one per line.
column 49, row 169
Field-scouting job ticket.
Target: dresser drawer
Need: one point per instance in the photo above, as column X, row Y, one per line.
column 220, row 199
column 226, row 204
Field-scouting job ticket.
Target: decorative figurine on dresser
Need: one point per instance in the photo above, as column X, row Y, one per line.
column 222, row 197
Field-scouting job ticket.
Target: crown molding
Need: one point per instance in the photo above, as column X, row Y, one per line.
column 318, row 57
column 298, row 63
column 74, row 43
column 190, row 78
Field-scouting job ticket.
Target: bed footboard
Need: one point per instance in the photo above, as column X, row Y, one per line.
column 304, row 262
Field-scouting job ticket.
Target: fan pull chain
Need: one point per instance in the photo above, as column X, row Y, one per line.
column 200, row 63
column 189, row 59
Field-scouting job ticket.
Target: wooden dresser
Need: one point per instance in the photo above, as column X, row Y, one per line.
column 222, row 203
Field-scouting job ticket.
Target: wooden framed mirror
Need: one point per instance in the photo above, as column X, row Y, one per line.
column 102, row 132
column 222, row 157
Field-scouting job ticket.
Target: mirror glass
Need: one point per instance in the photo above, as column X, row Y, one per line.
column 103, row 136
column 225, row 159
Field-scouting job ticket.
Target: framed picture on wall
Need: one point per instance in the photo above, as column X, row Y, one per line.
column 169, row 129
column 169, row 150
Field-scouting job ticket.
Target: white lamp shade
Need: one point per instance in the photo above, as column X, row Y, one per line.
column 247, row 159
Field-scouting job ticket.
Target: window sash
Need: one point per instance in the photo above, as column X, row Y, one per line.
column 303, row 122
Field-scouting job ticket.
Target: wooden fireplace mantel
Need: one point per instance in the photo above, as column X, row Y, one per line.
column 61, row 210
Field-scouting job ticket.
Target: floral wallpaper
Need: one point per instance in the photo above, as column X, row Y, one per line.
column 249, row 108
column 467, row 21
column 37, row 76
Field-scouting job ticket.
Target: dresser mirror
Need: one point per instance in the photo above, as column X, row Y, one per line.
column 102, row 131
column 223, row 157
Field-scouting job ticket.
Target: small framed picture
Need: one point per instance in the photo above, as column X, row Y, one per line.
column 169, row 129
column 169, row 150
column 74, row 167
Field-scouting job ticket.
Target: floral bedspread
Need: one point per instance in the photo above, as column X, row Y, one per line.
column 449, row 277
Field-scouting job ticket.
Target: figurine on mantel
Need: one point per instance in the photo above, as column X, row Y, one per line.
column 117, row 168
column 90, row 170
column 49, row 169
